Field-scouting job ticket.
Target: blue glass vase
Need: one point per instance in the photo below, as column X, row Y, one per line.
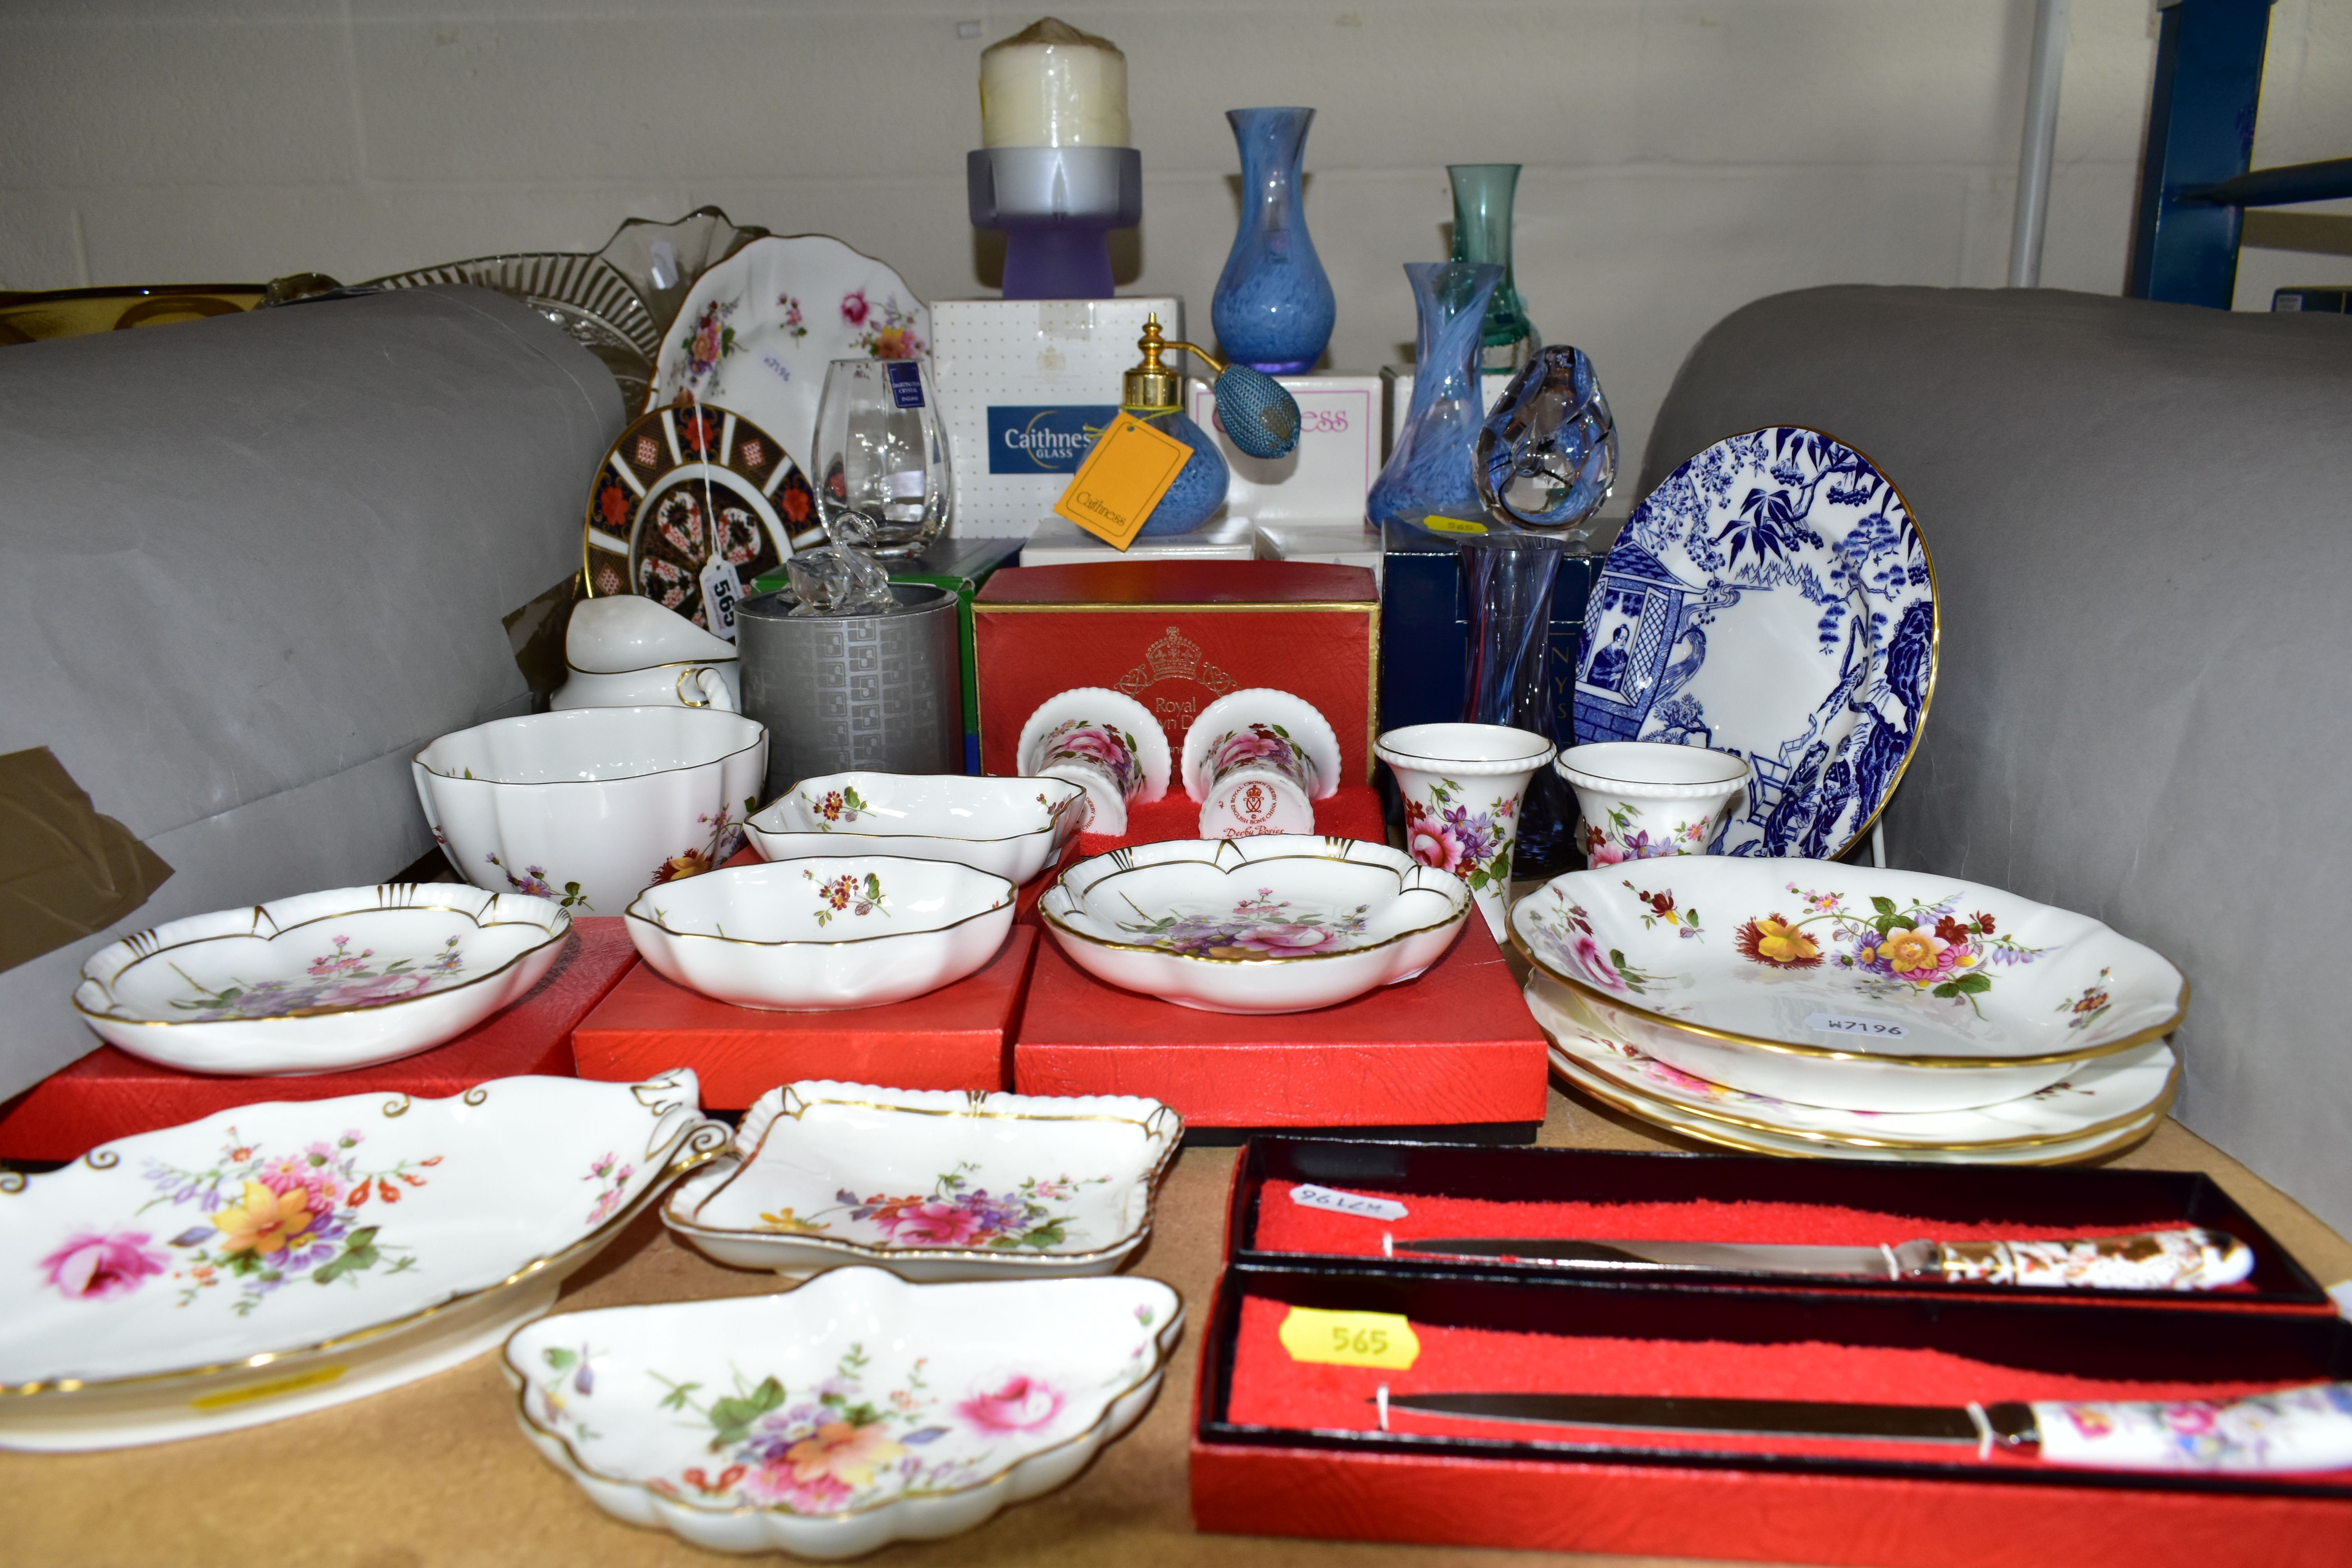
column 1201, row 483
column 1429, row 470
column 1273, row 307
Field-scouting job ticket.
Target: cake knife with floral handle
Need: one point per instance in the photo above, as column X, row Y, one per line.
column 2183, row 1259
column 2295, row 1430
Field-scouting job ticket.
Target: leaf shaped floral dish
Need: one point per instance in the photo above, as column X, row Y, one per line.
column 322, row 981
column 932, row 1184
column 851, row 1412
column 1845, row 986
column 1280, row 923
column 279, row 1258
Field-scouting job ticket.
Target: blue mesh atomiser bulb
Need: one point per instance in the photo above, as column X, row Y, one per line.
column 1256, row 412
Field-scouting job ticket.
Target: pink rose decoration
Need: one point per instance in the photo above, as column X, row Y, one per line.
column 1433, row 844
column 1286, row 938
column 92, row 1266
column 1606, row 853
column 932, row 1222
column 1596, row 963
column 1022, row 1405
column 853, row 308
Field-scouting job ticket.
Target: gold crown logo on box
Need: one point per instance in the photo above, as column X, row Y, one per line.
column 1175, row 658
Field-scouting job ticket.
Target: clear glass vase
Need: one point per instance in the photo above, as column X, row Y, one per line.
column 1507, row 580
column 1483, row 193
column 1428, row 473
column 1274, row 307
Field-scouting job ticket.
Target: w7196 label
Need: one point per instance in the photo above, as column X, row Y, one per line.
column 1309, row 1195
column 1868, row 1029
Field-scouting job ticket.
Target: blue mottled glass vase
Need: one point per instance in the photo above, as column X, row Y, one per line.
column 1273, row 307
column 1201, row 483
column 1429, row 470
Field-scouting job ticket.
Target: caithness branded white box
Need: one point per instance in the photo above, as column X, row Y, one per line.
column 1024, row 384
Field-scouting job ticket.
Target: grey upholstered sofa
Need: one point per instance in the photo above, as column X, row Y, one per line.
column 248, row 565
column 2141, row 521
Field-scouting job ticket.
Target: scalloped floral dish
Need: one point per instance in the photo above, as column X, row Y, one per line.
column 932, row 1184
column 322, row 981
column 2100, row 1096
column 851, row 1412
column 1846, row 986
column 1771, row 599
column 810, row 934
column 279, row 1258
column 1011, row 827
column 1276, row 924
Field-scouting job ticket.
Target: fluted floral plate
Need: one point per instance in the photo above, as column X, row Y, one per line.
column 1280, row 923
column 322, row 981
column 1012, row 828
column 1846, row 986
column 851, row 1412
column 757, row 331
column 278, row 1258
column 932, row 1184
column 1771, row 599
column 2102, row 1095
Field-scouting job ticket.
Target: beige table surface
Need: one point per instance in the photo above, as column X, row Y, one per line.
column 436, row 1473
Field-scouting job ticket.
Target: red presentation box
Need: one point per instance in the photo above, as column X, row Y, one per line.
column 1304, row 1448
column 110, row 1094
column 1453, row 1052
column 1176, row 636
column 955, row 1037
column 1585, row 1194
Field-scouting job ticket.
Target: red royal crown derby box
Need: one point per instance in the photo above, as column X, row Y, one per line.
column 1309, row 1448
column 1176, row 636
column 1455, row 1048
column 954, row 1037
column 110, row 1094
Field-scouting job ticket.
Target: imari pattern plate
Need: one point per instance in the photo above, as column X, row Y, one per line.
column 681, row 487
column 1772, row 599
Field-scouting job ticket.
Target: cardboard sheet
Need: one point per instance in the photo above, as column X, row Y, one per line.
column 65, row 870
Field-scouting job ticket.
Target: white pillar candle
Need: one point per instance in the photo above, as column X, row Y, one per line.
column 1050, row 85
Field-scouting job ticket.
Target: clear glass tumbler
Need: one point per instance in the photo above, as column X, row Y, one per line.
column 881, row 456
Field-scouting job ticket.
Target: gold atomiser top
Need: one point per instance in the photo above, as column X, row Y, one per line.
column 1153, row 387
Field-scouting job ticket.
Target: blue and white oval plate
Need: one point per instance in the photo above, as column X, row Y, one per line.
column 1771, row 598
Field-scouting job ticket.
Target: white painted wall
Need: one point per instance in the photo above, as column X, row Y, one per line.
column 1684, row 156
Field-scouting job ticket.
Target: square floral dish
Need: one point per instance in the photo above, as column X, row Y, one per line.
column 932, row 1184
column 279, row 1258
column 855, row 1411
column 1011, row 827
column 322, row 981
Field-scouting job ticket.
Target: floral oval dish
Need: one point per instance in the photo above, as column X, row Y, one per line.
column 588, row 805
column 1280, row 923
column 344, row 978
column 855, row 1411
column 281, row 1258
column 1846, row 986
column 932, row 1184
column 2102, row 1095
column 1012, row 828
column 810, row 934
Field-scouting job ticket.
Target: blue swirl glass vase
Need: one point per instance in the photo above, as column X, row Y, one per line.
column 1429, row 472
column 1274, row 307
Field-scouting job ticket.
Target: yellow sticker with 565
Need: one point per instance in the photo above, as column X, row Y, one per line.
column 1350, row 1339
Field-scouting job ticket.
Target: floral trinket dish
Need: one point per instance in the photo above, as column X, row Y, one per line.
column 932, row 1184
column 1012, row 828
column 855, row 1411
column 282, row 1257
column 1281, row 924
column 322, row 981
column 808, row 935
column 1845, row 986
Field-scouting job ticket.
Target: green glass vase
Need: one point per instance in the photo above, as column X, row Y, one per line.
column 1483, row 193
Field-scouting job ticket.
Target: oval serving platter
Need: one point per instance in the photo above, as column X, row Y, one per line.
column 282, row 1257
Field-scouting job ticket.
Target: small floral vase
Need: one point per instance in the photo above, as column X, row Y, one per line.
column 1462, row 785
column 1258, row 782
column 1641, row 799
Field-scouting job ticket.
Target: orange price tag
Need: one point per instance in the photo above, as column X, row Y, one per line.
column 1113, row 493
